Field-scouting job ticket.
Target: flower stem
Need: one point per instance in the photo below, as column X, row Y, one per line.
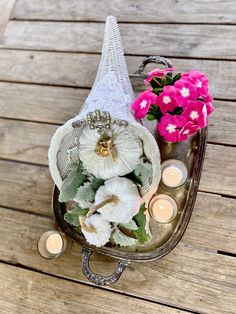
column 112, row 199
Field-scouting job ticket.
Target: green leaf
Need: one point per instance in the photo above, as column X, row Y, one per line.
column 176, row 78
column 141, row 235
column 132, row 176
column 143, row 171
column 72, row 217
column 69, row 187
column 130, row 225
column 140, row 219
column 96, row 183
column 85, row 192
column 123, row 240
column 151, row 117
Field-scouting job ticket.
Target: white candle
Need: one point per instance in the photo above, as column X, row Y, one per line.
column 174, row 173
column 54, row 243
column 163, row 208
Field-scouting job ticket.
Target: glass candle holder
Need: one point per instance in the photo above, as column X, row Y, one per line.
column 52, row 244
column 174, row 173
column 163, row 208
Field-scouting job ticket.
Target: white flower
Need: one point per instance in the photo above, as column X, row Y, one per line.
column 111, row 155
column 96, row 229
column 128, row 200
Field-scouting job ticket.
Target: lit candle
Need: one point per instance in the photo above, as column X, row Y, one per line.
column 163, row 208
column 54, row 243
column 174, row 173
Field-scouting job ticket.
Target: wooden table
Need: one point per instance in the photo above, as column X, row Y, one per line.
column 48, row 60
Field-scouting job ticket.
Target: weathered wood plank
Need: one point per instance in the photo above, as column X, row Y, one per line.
column 219, row 170
column 203, row 41
column 206, row 278
column 222, row 126
column 25, row 187
column 58, row 104
column 32, row 188
column 48, row 104
column 25, row 141
column 156, row 11
column 6, row 7
column 24, row 291
column 79, row 70
column 28, row 142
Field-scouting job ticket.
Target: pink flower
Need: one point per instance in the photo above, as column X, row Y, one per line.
column 169, row 125
column 157, row 73
column 188, row 129
column 209, row 108
column 196, row 111
column 186, row 91
column 142, row 104
column 167, row 99
column 199, row 81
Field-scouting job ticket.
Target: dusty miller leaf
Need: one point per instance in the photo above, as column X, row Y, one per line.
column 123, row 240
column 72, row 217
column 69, row 187
column 85, row 192
column 143, row 171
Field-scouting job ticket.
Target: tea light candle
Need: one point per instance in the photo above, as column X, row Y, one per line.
column 163, row 208
column 52, row 244
column 174, row 173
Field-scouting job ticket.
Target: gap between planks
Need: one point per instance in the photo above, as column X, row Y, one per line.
column 74, row 283
column 130, row 11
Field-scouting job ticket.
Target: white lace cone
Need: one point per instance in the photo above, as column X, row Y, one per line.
column 111, row 92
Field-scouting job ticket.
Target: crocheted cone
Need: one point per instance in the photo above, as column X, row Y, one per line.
column 111, row 93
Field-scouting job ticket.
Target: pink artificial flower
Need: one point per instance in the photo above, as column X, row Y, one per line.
column 209, row 108
column 186, row 91
column 157, row 73
column 188, row 129
column 167, row 99
column 196, row 111
column 169, row 125
column 199, row 81
column 142, row 103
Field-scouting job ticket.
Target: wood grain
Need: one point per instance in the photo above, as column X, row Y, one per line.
column 201, row 41
column 24, row 291
column 58, row 104
column 25, row 141
column 186, row 270
column 32, row 189
column 25, row 187
column 6, row 7
column 155, row 11
column 219, row 170
column 79, row 70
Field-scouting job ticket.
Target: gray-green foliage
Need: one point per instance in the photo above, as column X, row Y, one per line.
column 72, row 217
column 71, row 183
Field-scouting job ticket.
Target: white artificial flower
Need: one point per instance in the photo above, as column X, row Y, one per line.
column 116, row 153
column 127, row 200
column 96, row 229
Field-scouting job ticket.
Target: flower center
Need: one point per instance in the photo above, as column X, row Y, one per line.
column 166, row 100
column 171, row 128
column 105, row 147
column 194, row 115
column 143, row 104
column 185, row 92
column 199, row 83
